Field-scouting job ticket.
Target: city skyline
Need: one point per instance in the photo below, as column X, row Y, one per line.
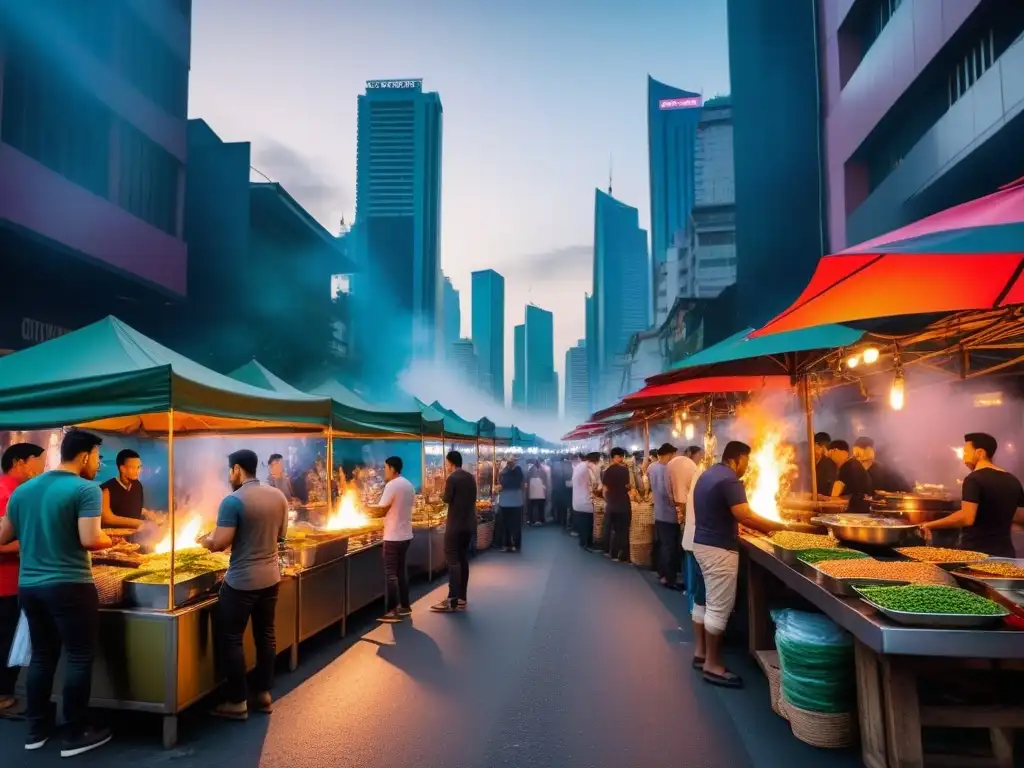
column 298, row 109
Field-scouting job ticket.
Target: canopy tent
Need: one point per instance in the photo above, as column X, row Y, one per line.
column 109, row 376
column 969, row 257
column 357, row 410
column 486, row 429
column 256, row 375
column 455, row 425
column 745, row 354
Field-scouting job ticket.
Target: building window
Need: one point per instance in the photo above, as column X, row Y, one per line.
column 878, row 18
column 978, row 59
column 49, row 118
column 727, row 237
column 148, row 184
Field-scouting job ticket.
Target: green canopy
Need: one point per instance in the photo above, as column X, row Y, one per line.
column 110, row 376
column 740, row 355
column 256, row 375
column 485, row 428
column 454, row 424
column 354, row 408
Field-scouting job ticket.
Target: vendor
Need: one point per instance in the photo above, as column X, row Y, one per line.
column 852, row 480
column 123, row 495
column 278, row 478
column 884, row 477
column 992, row 501
column 825, row 470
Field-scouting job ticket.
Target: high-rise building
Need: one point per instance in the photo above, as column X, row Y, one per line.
column 622, row 303
column 465, row 362
column 922, row 105
column 577, row 391
column 92, row 165
column 488, row 295
column 778, row 152
column 672, row 118
column 398, row 218
column 590, row 341
column 701, row 259
column 541, row 382
column 519, row 367
column 452, row 314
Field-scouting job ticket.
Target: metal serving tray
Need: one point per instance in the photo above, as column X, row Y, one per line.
column 954, row 565
column 787, row 556
column 950, row 620
column 876, row 535
column 846, row 587
column 154, row 596
column 993, row 581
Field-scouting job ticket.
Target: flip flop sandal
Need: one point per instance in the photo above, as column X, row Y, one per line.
column 728, row 680
column 698, row 662
column 230, row 714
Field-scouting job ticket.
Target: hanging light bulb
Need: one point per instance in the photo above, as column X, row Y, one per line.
column 689, row 430
column 896, row 394
column 852, row 361
column 870, row 355
column 675, row 433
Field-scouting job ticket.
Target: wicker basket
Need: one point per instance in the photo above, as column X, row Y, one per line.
column 598, row 518
column 820, row 729
column 484, row 535
column 641, row 534
column 769, row 661
column 109, row 581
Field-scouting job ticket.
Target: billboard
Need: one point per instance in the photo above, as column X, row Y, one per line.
column 400, row 85
column 686, row 102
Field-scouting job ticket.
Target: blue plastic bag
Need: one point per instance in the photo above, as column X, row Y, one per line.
column 816, row 659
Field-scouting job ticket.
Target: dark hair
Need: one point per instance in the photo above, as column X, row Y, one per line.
column 245, row 459
column 735, row 450
column 693, row 450
column 618, row 452
column 667, row 449
column 19, row 452
column 839, row 445
column 864, row 442
column 654, row 453
column 124, row 455
column 395, row 462
column 581, row 456
column 594, row 456
column 455, row 459
column 982, row 441
column 76, row 442
column 274, row 457
column 823, row 438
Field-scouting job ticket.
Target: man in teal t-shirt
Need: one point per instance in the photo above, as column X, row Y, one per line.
column 55, row 518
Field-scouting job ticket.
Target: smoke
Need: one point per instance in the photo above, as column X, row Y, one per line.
column 431, row 380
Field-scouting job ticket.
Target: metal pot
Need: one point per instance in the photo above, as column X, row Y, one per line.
column 875, row 535
column 307, row 556
column 911, row 516
column 916, row 502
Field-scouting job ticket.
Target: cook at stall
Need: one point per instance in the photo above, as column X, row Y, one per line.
column 992, row 501
column 825, row 470
column 852, row 480
column 124, row 496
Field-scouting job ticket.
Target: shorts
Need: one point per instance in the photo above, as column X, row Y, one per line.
column 720, row 569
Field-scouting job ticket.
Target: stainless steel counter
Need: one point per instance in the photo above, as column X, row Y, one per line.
column 878, row 633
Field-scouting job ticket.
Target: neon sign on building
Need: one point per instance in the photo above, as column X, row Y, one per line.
column 687, row 102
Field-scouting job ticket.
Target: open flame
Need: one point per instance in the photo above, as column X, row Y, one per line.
column 772, row 461
column 185, row 535
column 347, row 514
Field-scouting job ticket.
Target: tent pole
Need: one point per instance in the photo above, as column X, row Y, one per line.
column 330, row 469
column 647, row 438
column 170, row 501
column 805, row 386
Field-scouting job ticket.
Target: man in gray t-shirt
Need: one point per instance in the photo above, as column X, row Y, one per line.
column 251, row 521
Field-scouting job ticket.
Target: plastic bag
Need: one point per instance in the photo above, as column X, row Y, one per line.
column 21, row 647
column 816, row 658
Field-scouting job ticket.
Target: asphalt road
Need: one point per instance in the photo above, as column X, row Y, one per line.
column 564, row 659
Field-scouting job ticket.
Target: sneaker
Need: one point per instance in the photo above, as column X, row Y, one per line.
column 36, row 740
column 405, row 611
column 85, row 741
column 574, row 533
column 391, row 617
column 445, row 606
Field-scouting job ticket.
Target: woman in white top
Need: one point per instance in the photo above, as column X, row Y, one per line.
column 537, row 485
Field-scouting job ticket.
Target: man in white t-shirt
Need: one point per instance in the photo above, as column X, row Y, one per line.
column 584, row 482
column 396, row 506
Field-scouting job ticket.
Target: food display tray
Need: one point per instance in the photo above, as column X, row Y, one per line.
column 786, row 555
column 946, row 566
column 993, row 581
column 155, row 596
column 846, row 587
column 949, row 620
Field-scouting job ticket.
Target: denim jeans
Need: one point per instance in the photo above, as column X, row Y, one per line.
column 618, row 535
column 396, row 574
column 585, row 527
column 64, row 615
column 236, row 607
column 670, row 553
column 512, row 517
column 10, row 612
column 456, row 552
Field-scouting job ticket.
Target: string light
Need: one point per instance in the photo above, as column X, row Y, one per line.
column 689, row 430
column 852, row 361
column 897, row 396
column 871, row 355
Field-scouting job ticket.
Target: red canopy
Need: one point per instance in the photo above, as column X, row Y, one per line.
column 710, row 385
column 969, row 257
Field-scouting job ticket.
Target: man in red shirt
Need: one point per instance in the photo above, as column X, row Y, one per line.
column 20, row 462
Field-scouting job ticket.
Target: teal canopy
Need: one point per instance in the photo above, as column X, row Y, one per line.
column 256, row 375
column 485, row 428
column 352, row 407
column 740, row 355
column 455, row 425
column 111, row 377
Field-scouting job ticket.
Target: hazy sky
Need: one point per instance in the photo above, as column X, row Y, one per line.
column 537, row 95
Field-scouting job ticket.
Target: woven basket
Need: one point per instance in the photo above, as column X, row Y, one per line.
column 769, row 661
column 598, row 518
column 641, row 535
column 820, row 729
column 484, row 535
column 109, row 581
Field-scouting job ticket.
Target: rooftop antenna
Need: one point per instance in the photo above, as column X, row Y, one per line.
column 609, row 176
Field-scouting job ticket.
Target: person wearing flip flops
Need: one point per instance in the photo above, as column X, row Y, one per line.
column 720, row 504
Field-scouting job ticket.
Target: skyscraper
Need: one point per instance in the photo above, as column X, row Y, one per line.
column 488, row 295
column 622, row 293
column 464, row 360
column 519, row 367
column 452, row 315
column 541, row 383
column 577, row 391
column 591, row 345
column 672, row 117
column 398, row 218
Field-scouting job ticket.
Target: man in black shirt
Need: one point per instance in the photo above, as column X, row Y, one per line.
column 853, row 480
column 123, row 495
column 460, row 496
column 992, row 501
column 825, row 470
column 617, row 506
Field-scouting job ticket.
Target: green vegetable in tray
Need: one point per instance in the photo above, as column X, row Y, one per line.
column 927, row 598
column 814, row 556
